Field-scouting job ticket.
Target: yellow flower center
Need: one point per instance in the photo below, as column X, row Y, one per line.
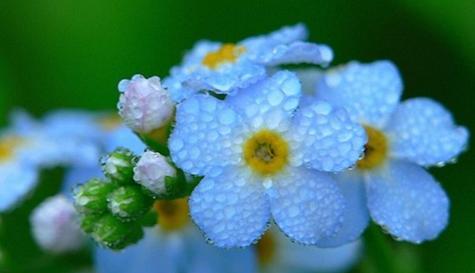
column 109, row 122
column 227, row 53
column 172, row 214
column 266, row 152
column 266, row 249
column 8, row 144
column 375, row 150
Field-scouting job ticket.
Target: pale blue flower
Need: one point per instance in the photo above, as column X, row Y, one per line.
column 404, row 138
column 262, row 157
column 225, row 67
column 174, row 246
column 276, row 254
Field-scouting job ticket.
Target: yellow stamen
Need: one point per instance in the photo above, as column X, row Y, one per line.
column 375, row 150
column 172, row 214
column 266, row 152
column 227, row 53
column 266, row 249
column 8, row 144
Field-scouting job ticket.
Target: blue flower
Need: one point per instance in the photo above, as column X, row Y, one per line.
column 262, row 157
column 403, row 139
column 276, row 254
column 225, row 67
column 174, row 246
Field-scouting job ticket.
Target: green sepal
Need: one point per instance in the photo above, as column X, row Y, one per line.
column 150, row 219
column 110, row 232
column 119, row 165
column 129, row 202
column 91, row 198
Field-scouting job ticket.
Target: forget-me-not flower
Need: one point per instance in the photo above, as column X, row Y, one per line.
column 263, row 157
column 403, row 139
column 224, row 67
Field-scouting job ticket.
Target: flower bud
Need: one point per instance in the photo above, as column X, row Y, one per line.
column 115, row 234
column 55, row 226
column 151, row 172
column 144, row 104
column 119, row 165
column 129, row 202
column 91, row 198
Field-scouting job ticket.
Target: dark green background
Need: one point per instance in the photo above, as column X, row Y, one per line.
column 64, row 53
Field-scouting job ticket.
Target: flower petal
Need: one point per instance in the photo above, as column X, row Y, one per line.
column 296, row 52
column 407, row 202
column 356, row 215
column 230, row 208
column 325, row 138
column 423, row 131
column 306, row 205
column 207, row 134
column 314, row 259
column 369, row 92
column 16, row 181
column 205, row 258
column 270, row 102
column 288, row 34
column 161, row 253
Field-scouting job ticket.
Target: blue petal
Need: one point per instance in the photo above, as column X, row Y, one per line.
column 423, row 131
column 16, row 181
column 356, row 216
column 154, row 253
column 407, row 202
column 306, row 205
column 230, row 208
column 369, row 92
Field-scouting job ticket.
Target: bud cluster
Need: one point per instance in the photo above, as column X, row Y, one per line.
column 114, row 209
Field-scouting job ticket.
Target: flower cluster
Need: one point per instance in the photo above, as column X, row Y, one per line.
column 239, row 142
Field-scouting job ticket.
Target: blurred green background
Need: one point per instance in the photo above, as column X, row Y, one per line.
column 63, row 53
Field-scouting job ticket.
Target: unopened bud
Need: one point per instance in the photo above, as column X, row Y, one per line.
column 144, row 104
column 55, row 225
column 119, row 165
column 115, row 234
column 129, row 202
column 91, row 198
column 151, row 172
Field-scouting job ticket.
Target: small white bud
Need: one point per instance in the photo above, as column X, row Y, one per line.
column 151, row 170
column 55, row 225
column 144, row 104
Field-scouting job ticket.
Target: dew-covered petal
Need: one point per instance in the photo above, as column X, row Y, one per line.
column 295, row 53
column 154, row 252
column 314, row 259
column 269, row 103
column 231, row 208
column 207, row 134
column 423, row 131
column 227, row 77
column 324, row 138
column 306, row 205
column 369, row 92
column 285, row 35
column 356, row 215
column 407, row 202
column 16, row 181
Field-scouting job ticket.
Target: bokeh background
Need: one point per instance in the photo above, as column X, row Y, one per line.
column 71, row 54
